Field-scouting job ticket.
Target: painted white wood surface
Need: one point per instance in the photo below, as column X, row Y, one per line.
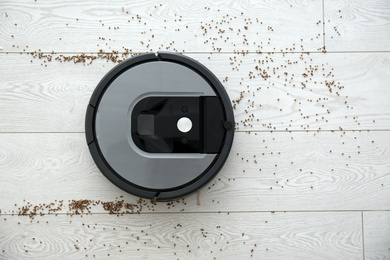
column 376, row 234
column 302, row 235
column 357, row 25
column 77, row 25
column 285, row 171
column 36, row 98
column 343, row 176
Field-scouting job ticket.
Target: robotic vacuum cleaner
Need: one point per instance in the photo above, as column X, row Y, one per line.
column 159, row 125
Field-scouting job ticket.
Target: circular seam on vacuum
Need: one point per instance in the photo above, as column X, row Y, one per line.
column 126, row 184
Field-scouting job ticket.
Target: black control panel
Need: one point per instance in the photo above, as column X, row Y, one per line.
column 154, row 126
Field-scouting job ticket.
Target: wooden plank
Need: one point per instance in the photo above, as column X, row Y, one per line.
column 35, row 98
column 357, row 25
column 376, row 226
column 299, row 235
column 149, row 25
column 264, row 172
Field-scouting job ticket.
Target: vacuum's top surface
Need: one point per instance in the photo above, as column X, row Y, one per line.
column 159, row 123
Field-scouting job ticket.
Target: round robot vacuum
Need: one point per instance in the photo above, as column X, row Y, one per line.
column 159, row 125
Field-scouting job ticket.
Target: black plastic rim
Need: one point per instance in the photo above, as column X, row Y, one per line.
column 126, row 185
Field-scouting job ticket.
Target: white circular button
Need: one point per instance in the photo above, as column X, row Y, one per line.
column 184, row 124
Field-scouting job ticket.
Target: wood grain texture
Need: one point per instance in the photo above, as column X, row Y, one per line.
column 376, row 227
column 280, row 195
column 185, row 236
column 357, row 25
column 140, row 25
column 36, row 98
column 277, row 172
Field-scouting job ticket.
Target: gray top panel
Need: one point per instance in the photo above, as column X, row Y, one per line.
column 113, row 125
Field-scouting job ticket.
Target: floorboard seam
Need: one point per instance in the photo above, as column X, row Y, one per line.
column 199, row 52
column 202, row 212
column 323, row 25
column 364, row 257
column 237, row 131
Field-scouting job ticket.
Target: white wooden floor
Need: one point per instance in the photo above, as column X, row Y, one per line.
column 308, row 176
